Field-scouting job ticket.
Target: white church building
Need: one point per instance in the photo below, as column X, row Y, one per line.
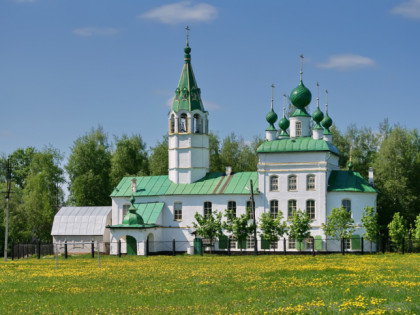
column 298, row 168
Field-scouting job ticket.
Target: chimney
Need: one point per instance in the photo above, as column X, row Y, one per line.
column 133, row 185
column 371, row 177
column 228, row 170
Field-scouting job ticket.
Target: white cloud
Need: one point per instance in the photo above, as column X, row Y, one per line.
column 95, row 31
column 347, row 62
column 409, row 9
column 181, row 12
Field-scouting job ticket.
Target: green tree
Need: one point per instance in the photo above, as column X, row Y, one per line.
column 272, row 228
column 416, row 233
column 239, row 227
column 209, row 226
column 158, row 162
column 129, row 158
column 370, row 223
column 397, row 230
column 300, row 226
column 89, row 168
column 340, row 224
column 214, row 152
column 397, row 170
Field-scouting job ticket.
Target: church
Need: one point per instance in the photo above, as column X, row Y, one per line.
column 298, row 168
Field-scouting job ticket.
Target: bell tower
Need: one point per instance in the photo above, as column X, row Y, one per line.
column 188, row 141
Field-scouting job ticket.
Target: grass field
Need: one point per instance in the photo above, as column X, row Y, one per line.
column 370, row 284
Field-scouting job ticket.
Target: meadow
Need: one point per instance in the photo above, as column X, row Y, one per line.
column 369, row 284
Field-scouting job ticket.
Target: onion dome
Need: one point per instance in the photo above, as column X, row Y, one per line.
column 317, row 115
column 132, row 217
column 284, row 123
column 327, row 121
column 301, row 96
column 271, row 117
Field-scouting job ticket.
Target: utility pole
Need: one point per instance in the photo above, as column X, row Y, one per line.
column 6, row 230
column 255, row 224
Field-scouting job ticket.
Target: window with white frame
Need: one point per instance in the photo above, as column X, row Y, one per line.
column 125, row 210
column 292, row 183
column 177, row 211
column 249, row 208
column 298, row 129
column 309, row 242
column 274, row 245
column 274, row 183
column 310, row 182
column 232, row 207
column 346, row 204
column 232, row 242
column 310, row 209
column 274, row 208
column 347, row 243
column 292, row 243
column 183, row 123
column 291, row 208
column 207, row 209
column 250, row 242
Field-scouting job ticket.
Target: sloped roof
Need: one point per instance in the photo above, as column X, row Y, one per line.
column 150, row 212
column 303, row 144
column 80, row 221
column 211, row 184
column 349, row 181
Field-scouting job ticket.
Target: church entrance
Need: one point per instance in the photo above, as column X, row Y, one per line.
column 131, row 245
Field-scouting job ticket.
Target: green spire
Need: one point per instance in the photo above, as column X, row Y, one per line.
column 284, row 122
column 271, row 116
column 301, row 96
column 132, row 217
column 187, row 95
column 327, row 121
column 317, row 115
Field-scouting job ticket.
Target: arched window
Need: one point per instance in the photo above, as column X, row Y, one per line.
column 172, row 126
column 177, row 211
column 197, row 124
column 291, row 208
column 346, row 204
column 274, row 208
column 207, row 209
column 274, row 183
column 232, row 207
column 292, row 183
column 310, row 209
column 183, row 123
column 310, row 182
column 298, row 129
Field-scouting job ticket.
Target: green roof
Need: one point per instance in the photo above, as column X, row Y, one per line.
column 349, row 181
column 302, row 144
column 187, row 95
column 211, row 184
column 148, row 211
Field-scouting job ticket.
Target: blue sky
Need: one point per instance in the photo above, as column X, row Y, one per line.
column 68, row 66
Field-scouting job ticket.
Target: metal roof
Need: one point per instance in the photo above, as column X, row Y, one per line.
column 150, row 212
column 304, row 144
column 80, row 221
column 211, row 184
column 348, row 181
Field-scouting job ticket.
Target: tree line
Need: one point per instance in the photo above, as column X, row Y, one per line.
column 97, row 163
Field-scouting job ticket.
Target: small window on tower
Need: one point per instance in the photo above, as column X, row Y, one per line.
column 172, row 124
column 197, row 123
column 298, row 129
column 183, row 123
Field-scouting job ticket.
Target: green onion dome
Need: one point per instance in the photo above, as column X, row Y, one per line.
column 284, row 124
column 326, row 122
column 271, row 117
column 317, row 115
column 132, row 217
column 301, row 96
column 187, row 49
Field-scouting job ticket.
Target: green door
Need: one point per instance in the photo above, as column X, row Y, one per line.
column 131, row 245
